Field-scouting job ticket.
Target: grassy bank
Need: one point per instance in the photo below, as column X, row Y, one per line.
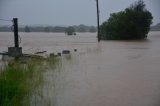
column 18, row 80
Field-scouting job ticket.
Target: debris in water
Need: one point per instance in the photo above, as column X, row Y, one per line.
column 59, row 54
column 75, row 50
column 40, row 52
column 52, row 54
column 66, row 52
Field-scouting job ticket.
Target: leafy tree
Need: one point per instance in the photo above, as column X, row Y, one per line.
column 132, row 23
column 70, row 30
column 27, row 29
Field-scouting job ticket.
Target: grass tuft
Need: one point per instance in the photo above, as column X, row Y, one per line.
column 18, row 80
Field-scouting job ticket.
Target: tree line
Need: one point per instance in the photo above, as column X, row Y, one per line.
column 57, row 29
column 156, row 27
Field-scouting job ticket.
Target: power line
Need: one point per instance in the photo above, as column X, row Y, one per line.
column 5, row 20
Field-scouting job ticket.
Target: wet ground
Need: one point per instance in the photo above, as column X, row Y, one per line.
column 109, row 73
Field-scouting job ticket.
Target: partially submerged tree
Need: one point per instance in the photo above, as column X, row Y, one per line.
column 70, row 30
column 132, row 23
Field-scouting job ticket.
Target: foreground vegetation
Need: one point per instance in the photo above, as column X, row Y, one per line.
column 132, row 23
column 18, row 80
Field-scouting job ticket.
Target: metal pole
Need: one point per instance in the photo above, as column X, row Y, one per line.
column 15, row 24
column 98, row 33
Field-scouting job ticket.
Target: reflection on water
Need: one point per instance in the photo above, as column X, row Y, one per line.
column 109, row 73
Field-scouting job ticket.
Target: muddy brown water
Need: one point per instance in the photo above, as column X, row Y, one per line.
column 109, row 73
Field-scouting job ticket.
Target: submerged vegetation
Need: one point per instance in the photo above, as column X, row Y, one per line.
column 70, row 31
column 18, row 80
column 132, row 23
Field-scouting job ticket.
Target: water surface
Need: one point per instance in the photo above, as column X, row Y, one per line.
column 109, row 73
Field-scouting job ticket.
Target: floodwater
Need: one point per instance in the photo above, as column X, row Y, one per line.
column 109, row 73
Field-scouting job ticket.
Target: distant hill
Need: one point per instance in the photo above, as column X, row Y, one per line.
column 156, row 27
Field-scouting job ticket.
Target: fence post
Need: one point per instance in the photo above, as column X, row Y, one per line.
column 16, row 39
column 15, row 51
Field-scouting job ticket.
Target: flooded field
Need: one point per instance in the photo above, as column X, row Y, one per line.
column 109, row 73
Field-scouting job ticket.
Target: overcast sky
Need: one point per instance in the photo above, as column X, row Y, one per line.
column 66, row 12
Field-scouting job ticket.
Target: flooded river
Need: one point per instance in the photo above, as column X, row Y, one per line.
column 109, row 73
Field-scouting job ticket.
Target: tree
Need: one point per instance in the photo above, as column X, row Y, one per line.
column 70, row 30
column 132, row 23
column 26, row 29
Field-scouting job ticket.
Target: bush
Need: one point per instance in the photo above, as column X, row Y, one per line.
column 132, row 23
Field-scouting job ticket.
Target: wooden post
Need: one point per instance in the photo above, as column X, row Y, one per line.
column 16, row 39
column 98, row 33
column 15, row 51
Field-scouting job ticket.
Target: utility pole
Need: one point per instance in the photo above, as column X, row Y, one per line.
column 98, row 32
column 16, row 39
column 15, row 51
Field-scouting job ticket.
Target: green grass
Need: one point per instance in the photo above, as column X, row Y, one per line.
column 17, row 80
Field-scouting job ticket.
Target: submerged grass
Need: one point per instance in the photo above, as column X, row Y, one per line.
column 68, row 56
column 17, row 80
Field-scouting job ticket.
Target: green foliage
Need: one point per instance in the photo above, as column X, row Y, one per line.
column 18, row 80
column 132, row 23
column 70, row 30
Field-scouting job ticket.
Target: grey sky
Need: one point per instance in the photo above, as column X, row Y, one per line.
column 66, row 12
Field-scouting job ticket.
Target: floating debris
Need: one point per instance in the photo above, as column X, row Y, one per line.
column 75, row 50
column 40, row 52
column 52, row 55
column 59, row 54
column 65, row 52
